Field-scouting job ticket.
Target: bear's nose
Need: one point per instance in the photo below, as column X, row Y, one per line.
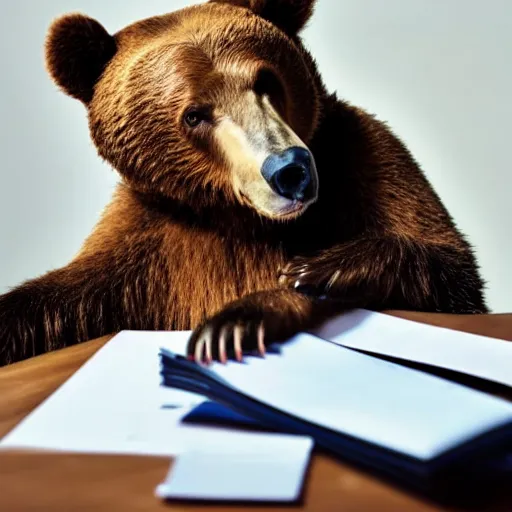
column 292, row 174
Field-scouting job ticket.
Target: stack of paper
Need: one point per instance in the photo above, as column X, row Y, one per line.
column 408, row 424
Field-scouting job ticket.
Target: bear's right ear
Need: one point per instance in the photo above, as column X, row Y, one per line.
column 78, row 49
column 289, row 15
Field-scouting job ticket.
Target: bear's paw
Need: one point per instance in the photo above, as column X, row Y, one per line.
column 249, row 326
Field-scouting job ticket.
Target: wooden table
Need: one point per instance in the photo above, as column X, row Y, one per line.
column 67, row 482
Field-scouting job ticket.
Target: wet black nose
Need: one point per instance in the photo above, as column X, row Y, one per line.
column 291, row 174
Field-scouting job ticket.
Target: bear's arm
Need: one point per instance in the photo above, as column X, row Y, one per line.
column 87, row 299
column 392, row 273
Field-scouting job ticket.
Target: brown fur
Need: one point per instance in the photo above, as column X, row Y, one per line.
column 179, row 247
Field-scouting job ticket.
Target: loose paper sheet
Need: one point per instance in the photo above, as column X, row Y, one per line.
column 115, row 404
column 474, row 355
column 269, row 471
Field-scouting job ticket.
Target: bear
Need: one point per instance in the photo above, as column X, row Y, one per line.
column 252, row 204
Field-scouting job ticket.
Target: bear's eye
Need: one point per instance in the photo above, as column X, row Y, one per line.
column 194, row 117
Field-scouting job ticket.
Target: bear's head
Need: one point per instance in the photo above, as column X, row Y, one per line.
column 212, row 105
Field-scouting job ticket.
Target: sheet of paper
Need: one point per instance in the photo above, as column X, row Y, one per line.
column 398, row 408
column 115, row 404
column 263, row 472
column 382, row 334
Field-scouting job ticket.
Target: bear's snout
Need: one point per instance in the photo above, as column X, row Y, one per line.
column 292, row 174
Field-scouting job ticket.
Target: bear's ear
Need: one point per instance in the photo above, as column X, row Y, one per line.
column 77, row 50
column 289, row 15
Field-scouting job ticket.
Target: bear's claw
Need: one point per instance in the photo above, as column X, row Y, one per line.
column 310, row 278
column 222, row 338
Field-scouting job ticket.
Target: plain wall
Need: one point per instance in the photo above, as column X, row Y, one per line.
column 438, row 72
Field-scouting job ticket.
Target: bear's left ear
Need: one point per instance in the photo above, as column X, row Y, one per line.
column 77, row 51
column 289, row 15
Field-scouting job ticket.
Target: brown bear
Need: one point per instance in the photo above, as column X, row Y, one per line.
column 253, row 203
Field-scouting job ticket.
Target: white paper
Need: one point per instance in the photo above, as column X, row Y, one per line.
column 395, row 407
column 115, row 404
column 265, row 471
column 382, row 334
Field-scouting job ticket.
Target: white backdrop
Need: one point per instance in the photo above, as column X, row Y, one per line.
column 438, row 72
